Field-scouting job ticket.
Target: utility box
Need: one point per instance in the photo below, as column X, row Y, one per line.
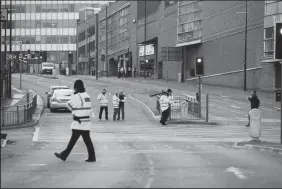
column 277, row 95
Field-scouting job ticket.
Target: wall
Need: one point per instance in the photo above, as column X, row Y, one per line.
column 223, row 42
column 173, row 67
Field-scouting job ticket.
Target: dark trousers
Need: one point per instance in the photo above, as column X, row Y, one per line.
column 165, row 115
column 101, row 111
column 87, row 140
column 115, row 113
column 121, row 109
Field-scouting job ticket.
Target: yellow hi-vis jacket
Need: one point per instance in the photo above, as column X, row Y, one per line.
column 80, row 105
column 164, row 102
column 103, row 99
column 116, row 101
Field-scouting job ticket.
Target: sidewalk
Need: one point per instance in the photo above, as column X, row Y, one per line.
column 266, row 98
column 262, row 146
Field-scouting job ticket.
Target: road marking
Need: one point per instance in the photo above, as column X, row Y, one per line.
column 234, row 106
column 236, row 171
column 37, row 164
column 35, row 134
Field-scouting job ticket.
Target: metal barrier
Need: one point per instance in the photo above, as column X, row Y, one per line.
column 16, row 115
column 187, row 108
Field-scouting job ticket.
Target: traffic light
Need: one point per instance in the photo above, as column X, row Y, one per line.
column 199, row 66
column 44, row 56
column 28, row 51
column 70, row 55
column 278, row 41
column 33, row 55
column 41, row 54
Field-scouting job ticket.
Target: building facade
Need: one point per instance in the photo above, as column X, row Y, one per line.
column 49, row 26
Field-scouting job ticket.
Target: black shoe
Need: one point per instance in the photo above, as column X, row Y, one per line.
column 106, row 118
column 89, row 160
column 59, row 156
column 247, row 125
column 118, row 119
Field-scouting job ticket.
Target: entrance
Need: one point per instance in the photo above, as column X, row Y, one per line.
column 113, row 67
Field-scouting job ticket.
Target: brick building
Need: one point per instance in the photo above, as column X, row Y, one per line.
column 168, row 39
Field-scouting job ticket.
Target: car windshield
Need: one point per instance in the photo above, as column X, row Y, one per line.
column 48, row 65
column 63, row 92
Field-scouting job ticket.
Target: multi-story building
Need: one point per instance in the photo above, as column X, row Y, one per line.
column 272, row 68
column 49, row 26
column 166, row 37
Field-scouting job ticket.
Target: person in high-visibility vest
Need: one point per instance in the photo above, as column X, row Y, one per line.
column 103, row 98
column 170, row 98
column 116, row 101
column 80, row 106
column 164, row 106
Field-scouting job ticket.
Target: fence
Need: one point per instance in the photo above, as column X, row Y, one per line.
column 16, row 115
column 187, row 108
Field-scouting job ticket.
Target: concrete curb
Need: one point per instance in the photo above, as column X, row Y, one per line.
column 258, row 147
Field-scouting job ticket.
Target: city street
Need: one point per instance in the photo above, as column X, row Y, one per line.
column 139, row 152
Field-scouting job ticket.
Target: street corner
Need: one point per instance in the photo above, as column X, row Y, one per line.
column 263, row 146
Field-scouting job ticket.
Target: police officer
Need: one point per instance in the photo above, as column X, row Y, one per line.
column 116, row 101
column 80, row 105
column 122, row 99
column 164, row 105
column 255, row 102
column 103, row 98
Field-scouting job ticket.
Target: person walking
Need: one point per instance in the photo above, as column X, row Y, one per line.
column 122, row 99
column 80, row 106
column 164, row 106
column 255, row 102
column 116, row 101
column 103, row 98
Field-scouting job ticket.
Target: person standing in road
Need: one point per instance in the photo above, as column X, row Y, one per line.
column 255, row 102
column 134, row 71
column 170, row 98
column 116, row 101
column 164, row 106
column 80, row 106
column 122, row 98
column 103, row 98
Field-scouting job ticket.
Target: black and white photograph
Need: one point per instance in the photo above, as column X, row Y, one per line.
column 141, row 94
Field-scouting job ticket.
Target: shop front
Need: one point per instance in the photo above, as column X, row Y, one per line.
column 121, row 60
column 147, row 60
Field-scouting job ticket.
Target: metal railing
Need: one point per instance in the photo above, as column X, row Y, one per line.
column 187, row 108
column 16, row 115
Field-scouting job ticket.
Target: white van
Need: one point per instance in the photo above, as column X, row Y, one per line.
column 47, row 67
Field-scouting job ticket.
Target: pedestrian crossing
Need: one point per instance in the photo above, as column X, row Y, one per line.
column 122, row 131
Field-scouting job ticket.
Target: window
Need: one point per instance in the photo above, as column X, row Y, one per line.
column 269, row 45
column 186, row 18
column 271, row 9
column 123, row 12
column 124, row 43
column 269, row 33
column 38, row 8
column 186, row 8
column 71, row 7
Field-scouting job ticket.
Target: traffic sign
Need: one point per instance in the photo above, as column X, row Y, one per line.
column 4, row 15
column 17, row 42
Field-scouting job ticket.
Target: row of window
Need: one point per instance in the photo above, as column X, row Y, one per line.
column 189, row 36
column 273, row 8
column 82, row 50
column 42, row 24
column 115, row 47
column 32, row 8
column 189, row 26
column 190, row 17
column 191, row 7
column 44, row 39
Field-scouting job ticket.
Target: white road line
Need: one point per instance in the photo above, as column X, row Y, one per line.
column 234, row 106
column 35, row 134
column 236, row 171
column 37, row 164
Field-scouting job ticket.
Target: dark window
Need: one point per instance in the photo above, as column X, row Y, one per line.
column 269, row 33
column 38, row 8
column 71, row 8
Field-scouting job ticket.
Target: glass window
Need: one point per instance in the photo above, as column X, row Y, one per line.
column 269, row 45
column 123, row 12
column 185, row 36
column 267, row 54
column 71, row 7
column 38, row 8
column 72, row 39
column 27, row 24
column 186, row 8
column 43, row 39
column 269, row 33
column 197, row 15
column 270, row 8
column 280, row 7
column 198, row 5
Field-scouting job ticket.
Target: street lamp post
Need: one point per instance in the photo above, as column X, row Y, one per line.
column 245, row 39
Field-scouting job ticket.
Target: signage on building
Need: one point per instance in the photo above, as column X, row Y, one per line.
column 150, row 49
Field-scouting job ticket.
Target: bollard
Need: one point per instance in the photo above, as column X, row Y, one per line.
column 255, row 124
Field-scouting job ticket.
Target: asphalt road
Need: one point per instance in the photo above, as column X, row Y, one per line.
column 137, row 152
